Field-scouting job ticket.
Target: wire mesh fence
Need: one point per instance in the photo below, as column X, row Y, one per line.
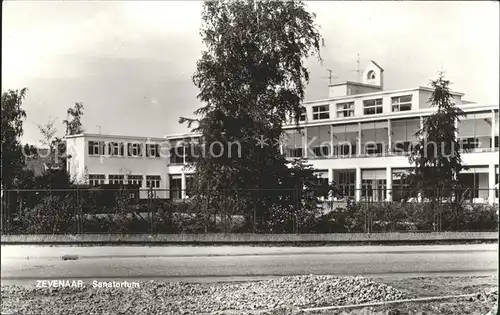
column 153, row 211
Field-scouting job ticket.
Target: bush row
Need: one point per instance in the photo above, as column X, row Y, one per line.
column 62, row 215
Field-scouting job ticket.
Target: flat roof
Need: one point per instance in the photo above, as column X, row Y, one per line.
column 356, row 83
column 420, row 88
column 109, row 136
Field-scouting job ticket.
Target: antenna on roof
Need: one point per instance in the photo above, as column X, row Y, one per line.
column 358, row 71
column 330, row 76
column 98, row 129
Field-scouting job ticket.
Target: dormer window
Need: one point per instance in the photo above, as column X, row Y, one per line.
column 371, row 75
column 321, row 112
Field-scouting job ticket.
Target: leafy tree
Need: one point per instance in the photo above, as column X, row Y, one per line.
column 48, row 132
column 436, row 158
column 74, row 121
column 251, row 79
column 12, row 157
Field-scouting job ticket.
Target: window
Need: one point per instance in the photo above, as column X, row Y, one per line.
column 345, row 140
column 96, row 147
column 403, row 135
column 177, row 155
column 347, row 183
column 96, row 179
column 153, row 181
column 294, row 143
column 116, row 179
column 321, row 112
column 318, row 141
column 378, row 193
column 116, row 149
column 401, row 188
column 381, row 192
column 374, row 137
column 345, row 109
column 373, row 106
column 402, row 148
column 134, row 149
column 345, row 149
column 152, row 150
column 471, row 183
column 373, row 148
column 135, row 180
column 366, row 188
column 175, row 187
column 474, row 132
column 321, row 151
column 401, row 103
column 469, row 144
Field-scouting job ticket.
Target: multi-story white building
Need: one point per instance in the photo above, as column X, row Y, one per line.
column 359, row 138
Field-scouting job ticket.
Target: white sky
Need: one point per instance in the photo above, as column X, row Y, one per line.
column 131, row 63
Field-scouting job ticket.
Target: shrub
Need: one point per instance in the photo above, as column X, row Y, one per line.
column 163, row 217
column 480, row 217
column 54, row 215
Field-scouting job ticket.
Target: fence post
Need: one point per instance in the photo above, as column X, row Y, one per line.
column 5, row 211
column 255, row 212
column 224, row 212
column 370, row 214
column 150, row 210
column 365, row 208
column 294, row 213
column 77, row 213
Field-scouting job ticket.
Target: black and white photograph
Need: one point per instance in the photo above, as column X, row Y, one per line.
column 249, row 157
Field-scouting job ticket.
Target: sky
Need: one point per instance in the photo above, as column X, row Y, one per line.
column 131, row 63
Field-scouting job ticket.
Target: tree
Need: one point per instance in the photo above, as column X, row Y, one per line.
column 48, row 132
column 13, row 160
column 251, row 79
column 74, row 125
column 436, row 158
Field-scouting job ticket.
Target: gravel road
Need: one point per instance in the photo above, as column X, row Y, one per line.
column 286, row 295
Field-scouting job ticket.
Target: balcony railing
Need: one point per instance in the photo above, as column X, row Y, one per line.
column 312, row 156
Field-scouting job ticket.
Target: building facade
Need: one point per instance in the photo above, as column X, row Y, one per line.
column 358, row 138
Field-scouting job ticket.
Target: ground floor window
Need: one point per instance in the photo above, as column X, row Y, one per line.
column 175, row 187
column 135, row 180
column 96, row 179
column 401, row 189
column 116, row 179
column 153, row 181
column 373, row 185
column 346, row 183
column 475, row 182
